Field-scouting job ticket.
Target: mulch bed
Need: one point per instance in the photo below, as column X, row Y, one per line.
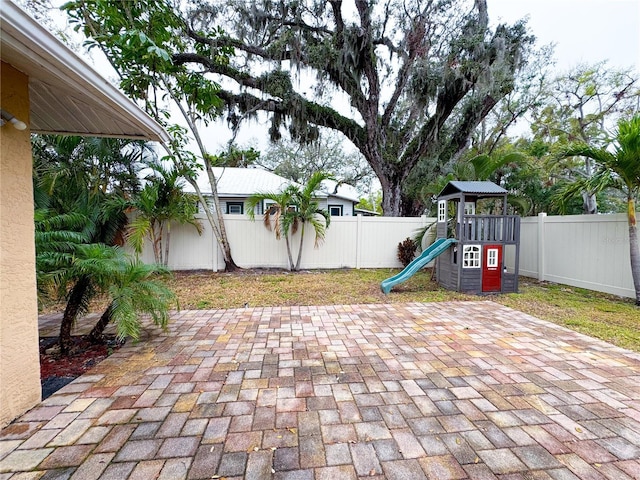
column 58, row 370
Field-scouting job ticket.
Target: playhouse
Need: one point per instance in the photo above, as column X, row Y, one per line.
column 472, row 249
column 478, row 244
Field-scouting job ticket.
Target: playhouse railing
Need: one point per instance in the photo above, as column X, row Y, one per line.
column 490, row 228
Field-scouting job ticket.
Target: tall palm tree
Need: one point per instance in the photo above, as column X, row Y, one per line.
column 159, row 204
column 618, row 167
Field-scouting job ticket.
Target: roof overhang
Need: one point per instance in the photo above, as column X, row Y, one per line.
column 67, row 96
column 477, row 189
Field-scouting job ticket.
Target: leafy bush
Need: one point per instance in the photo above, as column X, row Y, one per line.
column 407, row 251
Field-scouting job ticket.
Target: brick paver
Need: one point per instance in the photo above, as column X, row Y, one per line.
column 405, row 391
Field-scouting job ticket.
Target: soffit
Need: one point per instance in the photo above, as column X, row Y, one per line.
column 67, row 96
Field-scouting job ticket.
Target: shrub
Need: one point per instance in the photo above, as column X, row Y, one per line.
column 407, row 251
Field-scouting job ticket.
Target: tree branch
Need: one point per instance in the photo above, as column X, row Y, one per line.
column 314, row 113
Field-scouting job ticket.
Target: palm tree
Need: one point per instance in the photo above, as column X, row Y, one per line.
column 66, row 263
column 277, row 214
column 291, row 210
column 159, row 204
column 307, row 211
column 134, row 288
column 80, row 217
column 618, row 167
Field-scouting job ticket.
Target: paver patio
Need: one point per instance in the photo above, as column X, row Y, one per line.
column 403, row 391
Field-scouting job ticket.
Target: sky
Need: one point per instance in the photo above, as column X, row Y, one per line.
column 583, row 31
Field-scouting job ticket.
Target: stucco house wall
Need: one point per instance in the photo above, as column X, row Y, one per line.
column 19, row 360
column 52, row 91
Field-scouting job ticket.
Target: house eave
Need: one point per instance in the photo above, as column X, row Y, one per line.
column 67, row 96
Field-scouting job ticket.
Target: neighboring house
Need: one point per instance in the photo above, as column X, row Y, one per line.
column 236, row 185
column 46, row 88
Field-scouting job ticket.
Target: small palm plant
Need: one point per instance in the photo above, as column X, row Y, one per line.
column 135, row 288
column 159, row 204
column 293, row 209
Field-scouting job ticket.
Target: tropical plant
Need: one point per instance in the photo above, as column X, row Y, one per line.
column 293, row 209
column 307, row 211
column 79, row 219
column 277, row 214
column 617, row 167
column 77, row 270
column 141, row 39
column 159, row 204
column 407, row 251
column 134, row 288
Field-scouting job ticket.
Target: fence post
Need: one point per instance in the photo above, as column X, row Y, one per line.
column 358, row 240
column 541, row 247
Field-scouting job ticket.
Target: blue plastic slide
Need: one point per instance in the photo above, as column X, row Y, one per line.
column 435, row 249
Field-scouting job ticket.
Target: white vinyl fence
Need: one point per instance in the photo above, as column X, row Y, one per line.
column 588, row 251
column 350, row 242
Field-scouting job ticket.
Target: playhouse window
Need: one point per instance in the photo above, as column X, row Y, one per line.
column 471, row 256
column 492, row 257
column 442, row 210
column 470, row 208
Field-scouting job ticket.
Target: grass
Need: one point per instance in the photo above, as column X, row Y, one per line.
column 607, row 317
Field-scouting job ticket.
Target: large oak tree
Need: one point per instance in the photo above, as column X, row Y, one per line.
column 404, row 81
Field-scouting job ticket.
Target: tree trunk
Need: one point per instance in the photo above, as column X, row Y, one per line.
column 634, row 249
column 78, row 291
column 286, row 240
column 155, row 242
column 219, row 233
column 167, row 244
column 589, row 203
column 95, row 336
column 300, row 249
column 391, row 198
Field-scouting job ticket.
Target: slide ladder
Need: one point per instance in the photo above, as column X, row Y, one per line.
column 434, row 250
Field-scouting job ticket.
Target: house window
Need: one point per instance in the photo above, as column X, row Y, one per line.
column 235, row 208
column 471, row 256
column 442, row 210
column 335, row 210
column 272, row 207
column 492, row 258
column 268, row 204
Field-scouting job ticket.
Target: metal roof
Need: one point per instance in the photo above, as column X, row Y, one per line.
column 472, row 188
column 67, row 96
column 241, row 182
column 236, row 182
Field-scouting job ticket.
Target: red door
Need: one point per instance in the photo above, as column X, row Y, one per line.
column 492, row 268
